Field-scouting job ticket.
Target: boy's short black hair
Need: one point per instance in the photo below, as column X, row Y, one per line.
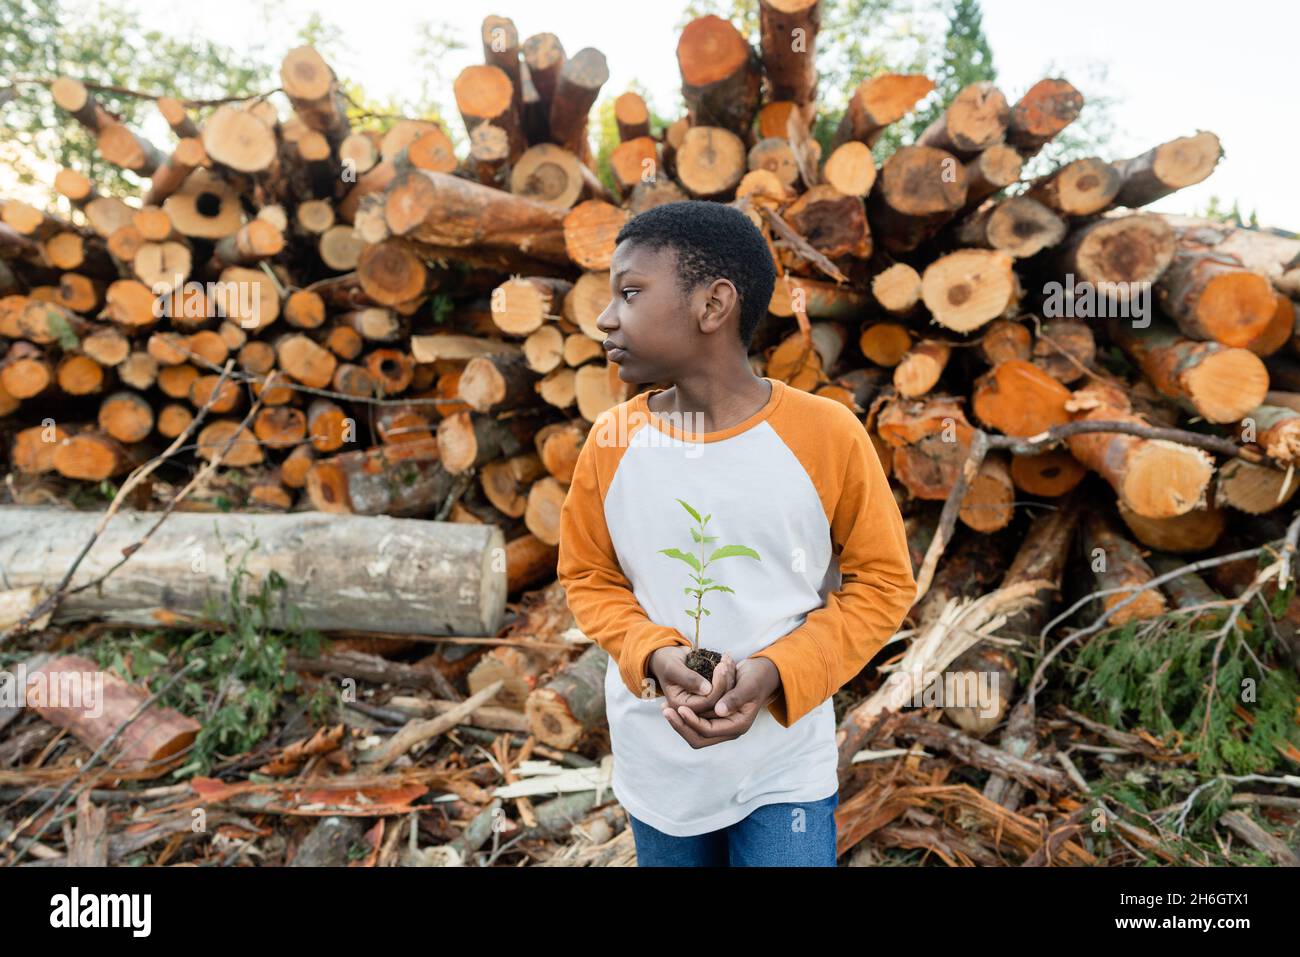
column 711, row 240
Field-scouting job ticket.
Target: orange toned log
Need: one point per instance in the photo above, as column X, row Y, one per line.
column 1049, row 474
column 126, row 417
column 79, row 375
column 1048, row 107
column 256, row 357
column 25, row 372
column 130, row 304
column 304, row 309
column 205, row 389
column 988, row 504
column 788, row 32
column 250, row 243
column 402, row 423
column 542, row 515
column 32, row 452
column 1194, row 531
column 1279, row 331
column 970, row 287
column 820, row 300
column 577, row 85
column 1153, row 477
column 294, row 468
column 1217, row 382
column 328, row 426
column 1212, row 296
column 139, row 370
column 108, row 347
column 244, row 448
column 149, row 742
column 885, row 343
column 345, row 342
column 1081, row 188
column 303, row 359
column 1171, row 166
column 485, row 95
column 1018, row 398
column 95, row 456
column 975, row 120
column 918, row 190
column 589, row 231
column 175, row 381
column 378, row 481
column 280, row 426
column 173, row 419
column 208, row 345
column 720, row 75
column 391, row 273
column 929, row 468
column 529, row 562
column 506, row 482
column 1116, row 563
column 391, row 369
column 878, row 102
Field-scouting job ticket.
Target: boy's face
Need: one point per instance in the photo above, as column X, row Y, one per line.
column 661, row 332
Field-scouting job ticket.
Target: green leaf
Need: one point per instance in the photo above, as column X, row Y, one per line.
column 727, row 551
column 694, row 514
column 681, row 556
column 720, row 588
column 706, row 519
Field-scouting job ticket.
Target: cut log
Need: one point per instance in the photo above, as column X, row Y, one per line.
column 918, row 190
column 1122, row 249
column 431, row 578
column 976, row 119
column 1017, row 398
column 1116, row 563
column 1171, row 166
column 1019, row 226
column 572, row 703
column 721, row 75
column 403, row 479
column 1081, row 188
column 1048, row 107
column 876, row 103
column 1212, row 296
column 970, row 287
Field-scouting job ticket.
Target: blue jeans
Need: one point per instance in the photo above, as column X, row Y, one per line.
column 794, row 834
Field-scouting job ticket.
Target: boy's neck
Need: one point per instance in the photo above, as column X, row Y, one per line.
column 720, row 403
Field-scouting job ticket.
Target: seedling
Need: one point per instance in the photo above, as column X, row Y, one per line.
column 703, row 660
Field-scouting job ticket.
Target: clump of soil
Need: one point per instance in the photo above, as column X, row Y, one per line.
column 703, row 661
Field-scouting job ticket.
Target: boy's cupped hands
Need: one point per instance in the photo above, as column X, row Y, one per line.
column 704, row 712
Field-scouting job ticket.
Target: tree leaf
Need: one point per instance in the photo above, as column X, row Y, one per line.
column 720, row 588
column 694, row 514
column 681, row 556
column 727, row 551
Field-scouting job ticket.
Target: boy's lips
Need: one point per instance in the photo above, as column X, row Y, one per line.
column 615, row 353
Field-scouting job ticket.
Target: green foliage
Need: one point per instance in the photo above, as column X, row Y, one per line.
column 698, row 564
column 965, row 58
column 1214, row 210
column 240, row 682
column 1155, row 675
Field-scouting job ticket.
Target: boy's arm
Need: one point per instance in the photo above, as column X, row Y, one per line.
column 836, row 641
column 599, row 594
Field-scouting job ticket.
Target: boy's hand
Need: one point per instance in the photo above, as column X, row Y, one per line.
column 686, row 688
column 757, row 683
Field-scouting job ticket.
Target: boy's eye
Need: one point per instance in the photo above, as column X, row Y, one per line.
column 625, row 292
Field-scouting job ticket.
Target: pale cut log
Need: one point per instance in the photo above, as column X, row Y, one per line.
column 975, row 120
column 1005, row 339
column 72, row 96
column 775, row 155
column 1129, row 250
column 1153, row 477
column 1169, row 167
column 991, row 171
column 919, row 189
column 1254, row 489
column 710, row 161
column 467, row 439
column 572, row 703
column 431, row 578
column 969, row 288
column 919, row 370
column 1081, row 188
column 173, row 111
column 1116, row 563
column 313, row 90
column 897, row 288
column 1277, row 429
column 240, row 139
column 498, row 383
column 545, row 349
column 204, row 207
column 123, row 147
column 544, row 57
column 1018, row 226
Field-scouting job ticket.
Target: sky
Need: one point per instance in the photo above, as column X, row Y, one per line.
column 1172, row 66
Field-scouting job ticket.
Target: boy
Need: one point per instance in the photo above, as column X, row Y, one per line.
column 740, row 770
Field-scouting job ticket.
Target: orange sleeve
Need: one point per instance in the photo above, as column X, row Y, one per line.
column 836, row 641
column 599, row 595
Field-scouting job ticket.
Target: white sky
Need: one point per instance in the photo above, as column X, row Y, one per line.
column 1175, row 66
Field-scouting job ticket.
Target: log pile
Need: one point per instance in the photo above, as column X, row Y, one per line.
column 367, row 323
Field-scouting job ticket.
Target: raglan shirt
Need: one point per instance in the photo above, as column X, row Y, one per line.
column 800, row 483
